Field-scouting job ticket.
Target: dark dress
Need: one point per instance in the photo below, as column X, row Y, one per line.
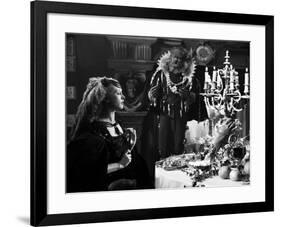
column 89, row 154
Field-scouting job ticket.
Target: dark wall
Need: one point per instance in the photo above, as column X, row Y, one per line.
column 92, row 52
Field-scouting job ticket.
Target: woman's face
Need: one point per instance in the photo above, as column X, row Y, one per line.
column 115, row 98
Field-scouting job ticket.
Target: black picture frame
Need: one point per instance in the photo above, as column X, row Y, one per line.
column 39, row 11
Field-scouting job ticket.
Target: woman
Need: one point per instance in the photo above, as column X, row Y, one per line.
column 99, row 151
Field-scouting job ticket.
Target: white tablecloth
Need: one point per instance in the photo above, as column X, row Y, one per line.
column 179, row 179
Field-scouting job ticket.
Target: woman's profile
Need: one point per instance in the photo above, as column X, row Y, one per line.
column 101, row 154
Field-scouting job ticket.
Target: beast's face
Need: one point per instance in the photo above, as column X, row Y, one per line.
column 180, row 61
column 176, row 64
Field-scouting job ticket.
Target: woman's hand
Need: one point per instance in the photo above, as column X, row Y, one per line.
column 223, row 129
column 126, row 159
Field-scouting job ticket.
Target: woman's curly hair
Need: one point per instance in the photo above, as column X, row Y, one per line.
column 92, row 103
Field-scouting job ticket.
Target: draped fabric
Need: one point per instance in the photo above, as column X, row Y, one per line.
column 89, row 154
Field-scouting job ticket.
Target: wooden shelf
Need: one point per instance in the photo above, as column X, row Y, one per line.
column 130, row 64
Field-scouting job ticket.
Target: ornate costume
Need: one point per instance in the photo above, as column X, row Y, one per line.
column 174, row 95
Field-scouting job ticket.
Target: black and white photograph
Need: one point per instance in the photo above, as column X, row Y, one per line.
column 156, row 113
column 149, row 113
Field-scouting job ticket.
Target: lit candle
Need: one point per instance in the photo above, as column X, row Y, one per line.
column 205, row 86
column 246, row 89
column 214, row 74
column 214, row 79
column 206, row 79
column 209, row 78
column 213, row 86
column 219, row 80
column 246, row 77
column 246, row 82
column 206, row 74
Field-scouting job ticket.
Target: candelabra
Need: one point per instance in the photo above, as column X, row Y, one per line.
column 222, row 91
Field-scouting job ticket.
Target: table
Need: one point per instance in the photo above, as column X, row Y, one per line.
column 179, row 179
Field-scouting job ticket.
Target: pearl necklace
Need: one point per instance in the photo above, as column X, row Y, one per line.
column 163, row 67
